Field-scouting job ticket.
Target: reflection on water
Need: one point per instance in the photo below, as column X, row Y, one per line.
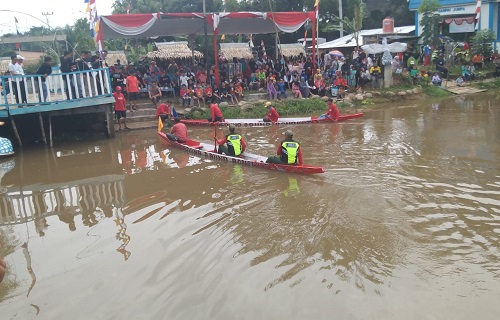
column 407, row 212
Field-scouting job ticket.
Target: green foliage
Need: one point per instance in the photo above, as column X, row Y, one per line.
column 482, row 42
column 430, row 21
column 434, row 91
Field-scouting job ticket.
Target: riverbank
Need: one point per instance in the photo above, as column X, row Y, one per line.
column 370, row 99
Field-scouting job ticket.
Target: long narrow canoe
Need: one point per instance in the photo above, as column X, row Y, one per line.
column 247, row 159
column 261, row 123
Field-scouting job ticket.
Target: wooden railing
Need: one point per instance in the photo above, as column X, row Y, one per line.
column 32, row 90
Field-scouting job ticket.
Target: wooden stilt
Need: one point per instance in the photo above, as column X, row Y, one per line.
column 15, row 131
column 42, row 128
column 110, row 122
column 50, row 132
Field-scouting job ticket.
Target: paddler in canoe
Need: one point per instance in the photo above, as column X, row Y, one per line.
column 233, row 143
column 215, row 113
column 333, row 112
column 272, row 115
column 178, row 132
column 288, row 151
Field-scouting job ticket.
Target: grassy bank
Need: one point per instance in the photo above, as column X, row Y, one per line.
column 285, row 108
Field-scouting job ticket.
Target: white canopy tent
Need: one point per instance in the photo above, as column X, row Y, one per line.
column 349, row 41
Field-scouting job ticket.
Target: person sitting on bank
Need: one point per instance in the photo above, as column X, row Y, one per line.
column 154, row 94
column 164, row 112
column 215, row 113
column 460, row 81
column 272, row 115
column 233, row 143
column 288, row 151
column 436, row 80
column 333, row 112
column 178, row 132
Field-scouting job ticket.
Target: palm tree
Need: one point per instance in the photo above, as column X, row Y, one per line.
column 352, row 26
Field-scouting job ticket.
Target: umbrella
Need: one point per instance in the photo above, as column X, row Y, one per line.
column 336, row 53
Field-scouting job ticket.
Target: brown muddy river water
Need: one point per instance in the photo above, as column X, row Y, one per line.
column 404, row 224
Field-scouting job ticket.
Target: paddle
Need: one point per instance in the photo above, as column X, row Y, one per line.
column 215, row 137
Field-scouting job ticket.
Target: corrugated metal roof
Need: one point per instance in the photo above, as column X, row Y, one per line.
column 414, row 4
column 346, row 41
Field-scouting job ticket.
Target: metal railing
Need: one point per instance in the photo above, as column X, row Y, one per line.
column 32, row 90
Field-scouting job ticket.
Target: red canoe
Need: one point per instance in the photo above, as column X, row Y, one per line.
column 261, row 123
column 247, row 159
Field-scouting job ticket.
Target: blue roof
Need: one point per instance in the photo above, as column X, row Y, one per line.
column 414, row 4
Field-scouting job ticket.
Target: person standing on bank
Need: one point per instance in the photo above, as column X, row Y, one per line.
column 288, row 151
column 215, row 113
column 272, row 115
column 333, row 112
column 120, row 108
column 44, row 71
column 179, row 132
column 233, row 143
column 133, row 86
column 67, row 66
column 18, row 71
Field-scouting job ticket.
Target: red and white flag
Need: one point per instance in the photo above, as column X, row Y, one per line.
column 478, row 13
column 264, row 54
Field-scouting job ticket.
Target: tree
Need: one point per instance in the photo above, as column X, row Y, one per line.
column 352, row 26
column 482, row 43
column 430, row 21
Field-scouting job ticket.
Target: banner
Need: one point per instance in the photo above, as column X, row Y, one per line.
column 461, row 28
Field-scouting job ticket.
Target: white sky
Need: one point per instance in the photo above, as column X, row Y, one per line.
column 64, row 12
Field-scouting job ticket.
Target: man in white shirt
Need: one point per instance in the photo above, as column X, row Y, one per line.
column 183, row 79
column 17, row 70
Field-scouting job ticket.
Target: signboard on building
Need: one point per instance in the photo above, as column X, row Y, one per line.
column 453, row 11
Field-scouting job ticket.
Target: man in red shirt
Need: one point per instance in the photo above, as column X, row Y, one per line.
column 164, row 112
column 333, row 112
column 272, row 115
column 120, row 108
column 133, row 89
column 215, row 113
column 178, row 132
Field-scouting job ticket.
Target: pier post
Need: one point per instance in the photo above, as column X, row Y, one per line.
column 15, row 131
column 50, row 132
column 110, row 121
column 42, row 128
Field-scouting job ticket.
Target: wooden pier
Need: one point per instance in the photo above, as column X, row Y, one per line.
column 58, row 94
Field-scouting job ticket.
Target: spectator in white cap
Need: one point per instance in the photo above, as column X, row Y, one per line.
column 19, row 84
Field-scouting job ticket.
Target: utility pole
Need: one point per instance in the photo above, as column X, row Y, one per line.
column 341, row 17
column 205, row 27
column 46, row 15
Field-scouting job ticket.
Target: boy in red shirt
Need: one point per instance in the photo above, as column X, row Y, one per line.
column 164, row 112
column 332, row 113
column 120, row 108
column 272, row 115
column 178, row 132
column 133, row 90
column 215, row 113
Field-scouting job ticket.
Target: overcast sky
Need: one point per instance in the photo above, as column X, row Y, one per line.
column 64, row 12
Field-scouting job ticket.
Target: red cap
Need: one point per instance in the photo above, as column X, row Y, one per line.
column 118, row 88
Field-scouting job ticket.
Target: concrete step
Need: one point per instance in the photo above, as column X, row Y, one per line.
column 256, row 96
